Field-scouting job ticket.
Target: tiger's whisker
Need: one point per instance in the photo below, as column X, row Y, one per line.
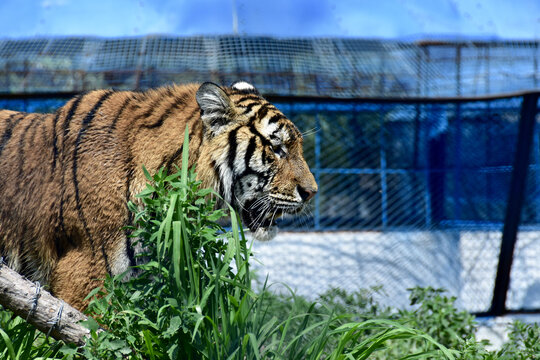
column 311, row 131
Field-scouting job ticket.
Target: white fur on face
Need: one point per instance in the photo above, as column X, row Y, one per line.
column 265, row 234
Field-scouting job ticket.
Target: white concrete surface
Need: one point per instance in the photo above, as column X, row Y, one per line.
column 463, row 263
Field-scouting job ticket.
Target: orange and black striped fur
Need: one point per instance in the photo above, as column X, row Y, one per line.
column 66, row 177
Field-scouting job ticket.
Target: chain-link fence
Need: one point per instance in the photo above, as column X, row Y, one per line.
column 411, row 193
column 383, row 166
column 330, row 67
column 422, row 190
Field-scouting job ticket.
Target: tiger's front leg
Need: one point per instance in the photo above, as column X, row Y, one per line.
column 76, row 274
column 81, row 269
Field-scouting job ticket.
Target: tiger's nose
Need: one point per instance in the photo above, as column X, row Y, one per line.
column 306, row 194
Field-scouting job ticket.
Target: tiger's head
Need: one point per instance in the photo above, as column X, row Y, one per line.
column 254, row 156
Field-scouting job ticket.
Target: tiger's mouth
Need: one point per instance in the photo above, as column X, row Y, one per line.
column 255, row 220
column 262, row 226
column 260, row 217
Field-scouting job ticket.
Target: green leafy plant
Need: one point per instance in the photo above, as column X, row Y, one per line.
column 437, row 315
column 523, row 342
column 20, row 340
column 193, row 298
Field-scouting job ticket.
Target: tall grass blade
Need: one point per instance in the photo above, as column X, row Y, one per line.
column 148, row 342
column 167, row 222
column 185, row 157
column 9, row 344
column 177, row 253
column 26, row 344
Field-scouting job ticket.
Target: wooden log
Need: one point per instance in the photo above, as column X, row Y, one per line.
column 47, row 313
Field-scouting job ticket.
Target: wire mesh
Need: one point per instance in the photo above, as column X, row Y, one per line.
column 282, row 66
column 422, row 189
column 411, row 193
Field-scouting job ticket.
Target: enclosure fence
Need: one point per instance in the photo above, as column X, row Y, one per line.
column 440, row 192
column 426, row 178
column 332, row 67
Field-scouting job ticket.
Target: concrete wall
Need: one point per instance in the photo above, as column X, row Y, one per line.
column 464, row 263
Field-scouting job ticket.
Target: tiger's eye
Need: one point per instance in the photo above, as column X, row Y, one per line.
column 278, row 150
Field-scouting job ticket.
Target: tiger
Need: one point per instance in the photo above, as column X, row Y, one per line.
column 66, row 177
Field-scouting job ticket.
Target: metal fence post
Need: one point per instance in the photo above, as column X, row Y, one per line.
column 436, row 166
column 514, row 205
column 458, row 190
column 382, row 164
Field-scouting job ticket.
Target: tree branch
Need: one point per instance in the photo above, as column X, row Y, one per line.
column 47, row 313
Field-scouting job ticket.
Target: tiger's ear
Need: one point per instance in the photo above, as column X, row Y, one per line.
column 216, row 107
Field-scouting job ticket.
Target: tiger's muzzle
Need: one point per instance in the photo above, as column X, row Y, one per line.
column 260, row 215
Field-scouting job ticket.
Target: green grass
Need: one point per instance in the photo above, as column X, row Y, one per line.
column 20, row 340
column 194, row 300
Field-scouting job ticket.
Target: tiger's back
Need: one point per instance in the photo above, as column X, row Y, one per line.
column 67, row 177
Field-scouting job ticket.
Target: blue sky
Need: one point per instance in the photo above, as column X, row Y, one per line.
column 392, row 19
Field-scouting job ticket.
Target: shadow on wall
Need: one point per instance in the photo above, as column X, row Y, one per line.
column 311, row 263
